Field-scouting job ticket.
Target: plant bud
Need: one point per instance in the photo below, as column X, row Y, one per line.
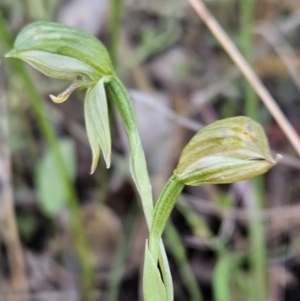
column 229, row 150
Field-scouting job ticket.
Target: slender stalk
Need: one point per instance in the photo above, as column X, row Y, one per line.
column 256, row 228
column 163, row 209
column 115, row 20
column 247, row 13
column 138, row 167
column 258, row 252
column 52, row 141
column 222, row 277
column 179, row 253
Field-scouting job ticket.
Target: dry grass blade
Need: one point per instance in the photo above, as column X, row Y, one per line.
column 281, row 46
column 247, row 71
column 8, row 227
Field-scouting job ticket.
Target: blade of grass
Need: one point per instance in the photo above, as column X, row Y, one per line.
column 179, row 254
column 256, row 229
column 115, row 20
column 247, row 14
column 257, row 239
column 221, row 278
column 194, row 220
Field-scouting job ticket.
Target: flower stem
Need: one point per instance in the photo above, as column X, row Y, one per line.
column 138, row 167
column 162, row 211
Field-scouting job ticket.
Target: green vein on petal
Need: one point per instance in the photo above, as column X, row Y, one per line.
column 95, row 146
column 97, row 121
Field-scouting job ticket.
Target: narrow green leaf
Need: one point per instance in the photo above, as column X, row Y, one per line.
column 222, row 277
column 97, row 122
column 52, row 191
column 181, row 259
column 166, row 272
column 153, row 286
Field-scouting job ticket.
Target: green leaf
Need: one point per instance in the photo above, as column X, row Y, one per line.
column 226, row 151
column 222, row 277
column 153, row 286
column 181, row 259
column 97, row 122
column 166, row 273
column 51, row 190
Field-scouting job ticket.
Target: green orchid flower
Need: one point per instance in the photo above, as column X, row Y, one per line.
column 56, row 50
column 226, row 151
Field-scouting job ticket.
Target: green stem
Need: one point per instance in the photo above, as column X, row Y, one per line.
column 163, row 209
column 116, row 10
column 258, row 252
column 247, row 13
column 256, row 228
column 222, row 276
column 52, row 141
column 138, row 166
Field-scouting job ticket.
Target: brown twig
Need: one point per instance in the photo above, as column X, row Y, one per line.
column 208, row 93
column 247, row 71
column 281, row 46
